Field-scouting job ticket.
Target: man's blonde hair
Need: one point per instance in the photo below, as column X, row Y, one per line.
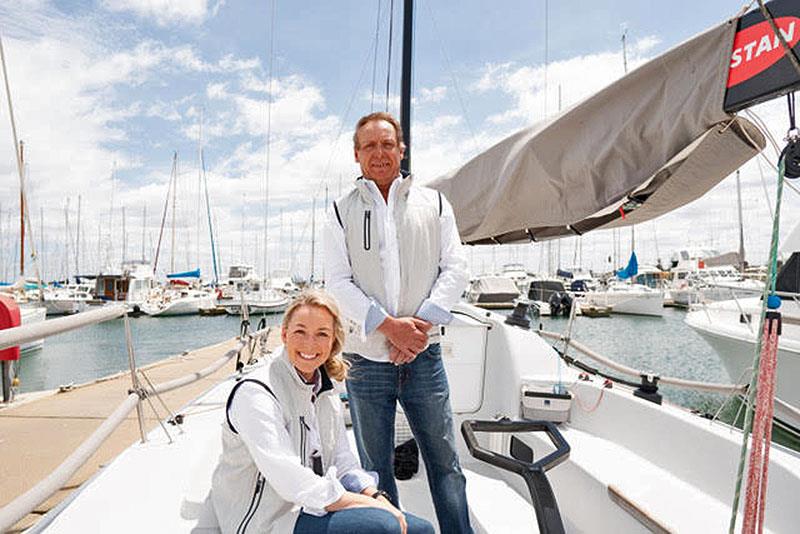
column 335, row 365
column 380, row 116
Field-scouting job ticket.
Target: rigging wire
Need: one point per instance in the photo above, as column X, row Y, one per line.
column 375, row 56
column 389, row 61
column 453, row 79
column 269, row 135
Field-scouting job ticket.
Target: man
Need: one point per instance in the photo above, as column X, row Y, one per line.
column 394, row 262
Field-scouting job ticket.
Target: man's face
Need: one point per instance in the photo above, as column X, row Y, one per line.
column 378, row 152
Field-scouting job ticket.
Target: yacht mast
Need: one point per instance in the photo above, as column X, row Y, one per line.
column 22, row 216
column 78, row 240
column 625, row 68
column 313, row 237
column 741, row 228
column 405, row 81
column 174, row 194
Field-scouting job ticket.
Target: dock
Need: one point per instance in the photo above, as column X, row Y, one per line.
column 39, row 430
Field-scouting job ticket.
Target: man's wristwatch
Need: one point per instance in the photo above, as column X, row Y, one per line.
column 381, row 493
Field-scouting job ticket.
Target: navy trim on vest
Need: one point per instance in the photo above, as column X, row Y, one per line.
column 338, row 217
column 440, row 203
column 233, row 392
column 325, row 380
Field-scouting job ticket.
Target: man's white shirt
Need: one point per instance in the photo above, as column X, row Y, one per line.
column 366, row 311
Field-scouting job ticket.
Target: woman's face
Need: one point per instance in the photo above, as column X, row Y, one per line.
column 308, row 339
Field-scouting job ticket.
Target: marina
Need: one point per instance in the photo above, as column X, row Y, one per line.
column 575, row 289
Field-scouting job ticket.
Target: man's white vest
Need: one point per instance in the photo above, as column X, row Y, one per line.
column 244, row 501
column 416, row 215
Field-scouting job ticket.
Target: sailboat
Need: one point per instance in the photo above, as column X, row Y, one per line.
column 545, row 447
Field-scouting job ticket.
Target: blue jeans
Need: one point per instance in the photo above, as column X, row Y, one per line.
column 359, row 521
column 374, row 388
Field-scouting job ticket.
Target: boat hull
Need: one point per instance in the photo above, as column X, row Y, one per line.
column 735, row 344
column 631, row 303
column 30, row 316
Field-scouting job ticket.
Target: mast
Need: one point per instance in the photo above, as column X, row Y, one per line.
column 199, row 185
column 22, row 216
column 20, row 168
column 166, row 209
column 41, row 238
column 124, row 237
column 741, row 228
column 210, row 224
column 67, row 239
column 625, row 68
column 144, row 226
column 78, row 241
column 326, row 204
column 405, row 81
column 174, row 195
column 313, row 236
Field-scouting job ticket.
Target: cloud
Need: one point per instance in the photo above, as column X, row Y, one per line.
column 167, row 12
column 432, row 95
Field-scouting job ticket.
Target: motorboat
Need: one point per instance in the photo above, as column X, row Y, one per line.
column 178, row 301
column 550, row 297
column 492, row 292
column 241, row 278
column 32, row 313
column 518, row 274
column 730, row 327
column 66, row 301
column 132, row 284
column 632, row 299
column 262, row 302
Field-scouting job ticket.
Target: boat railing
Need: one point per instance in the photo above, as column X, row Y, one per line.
column 650, row 376
column 20, row 335
column 141, row 392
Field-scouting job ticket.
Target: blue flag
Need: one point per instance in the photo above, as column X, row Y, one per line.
column 631, row 270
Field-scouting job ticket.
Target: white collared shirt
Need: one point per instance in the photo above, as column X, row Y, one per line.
column 365, row 310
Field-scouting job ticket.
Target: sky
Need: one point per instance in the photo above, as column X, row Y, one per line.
column 105, row 92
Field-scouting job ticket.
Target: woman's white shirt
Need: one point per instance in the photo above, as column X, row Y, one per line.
column 257, row 417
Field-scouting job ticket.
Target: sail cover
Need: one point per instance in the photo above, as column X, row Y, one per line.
column 645, row 145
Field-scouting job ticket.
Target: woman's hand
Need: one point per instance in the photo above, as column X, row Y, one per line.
column 388, row 506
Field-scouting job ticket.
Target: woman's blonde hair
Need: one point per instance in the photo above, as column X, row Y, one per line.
column 335, row 365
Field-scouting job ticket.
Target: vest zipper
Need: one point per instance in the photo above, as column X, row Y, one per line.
column 303, row 429
column 367, row 230
column 254, row 502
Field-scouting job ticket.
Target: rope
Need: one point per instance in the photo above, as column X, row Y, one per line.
column 755, row 496
column 768, row 288
column 786, row 48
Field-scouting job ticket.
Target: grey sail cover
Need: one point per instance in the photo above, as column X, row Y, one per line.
column 645, row 145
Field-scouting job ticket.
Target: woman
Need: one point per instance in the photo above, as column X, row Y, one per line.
column 286, row 465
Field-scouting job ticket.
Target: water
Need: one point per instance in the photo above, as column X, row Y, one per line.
column 100, row 350
column 662, row 345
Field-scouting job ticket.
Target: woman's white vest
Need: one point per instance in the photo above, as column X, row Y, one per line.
column 416, row 215
column 243, row 500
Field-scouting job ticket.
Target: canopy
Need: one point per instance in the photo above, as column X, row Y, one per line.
column 186, row 274
column 646, row 144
